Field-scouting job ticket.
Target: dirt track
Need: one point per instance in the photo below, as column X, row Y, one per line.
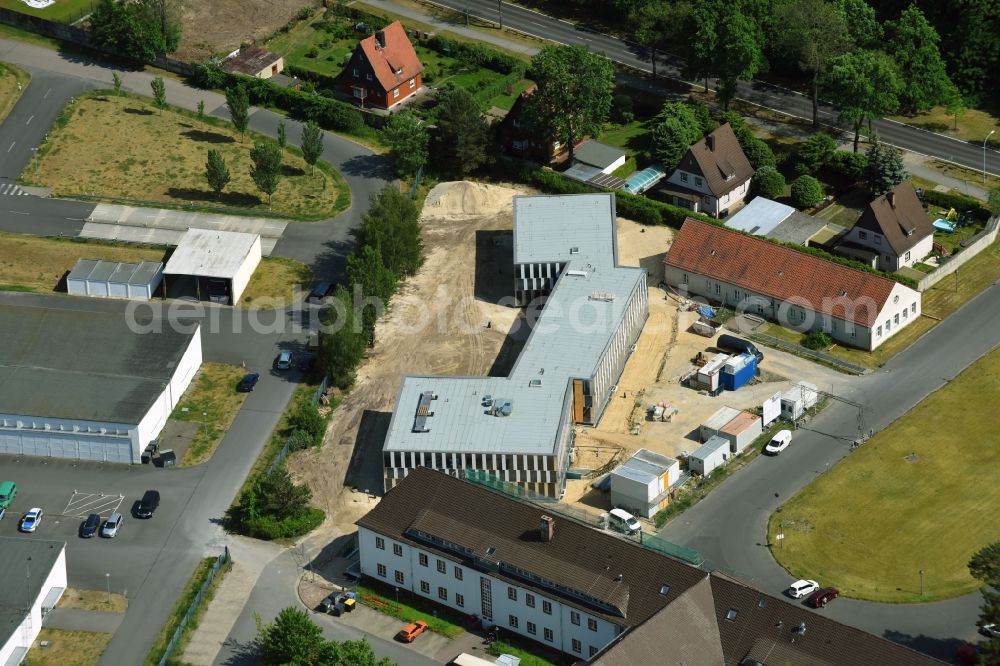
column 212, row 27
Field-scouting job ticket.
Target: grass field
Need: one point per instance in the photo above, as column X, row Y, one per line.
column 93, row 600
column 63, row 11
column 922, row 494
column 13, row 80
column 67, row 648
column 212, row 402
column 972, row 125
column 124, row 148
column 278, row 282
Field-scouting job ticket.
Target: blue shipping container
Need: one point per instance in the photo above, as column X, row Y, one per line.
column 745, row 370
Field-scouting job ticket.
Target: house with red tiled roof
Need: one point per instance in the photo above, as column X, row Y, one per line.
column 712, row 178
column 384, row 69
column 892, row 232
column 798, row 290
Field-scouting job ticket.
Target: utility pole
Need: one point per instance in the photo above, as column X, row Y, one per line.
column 500, row 12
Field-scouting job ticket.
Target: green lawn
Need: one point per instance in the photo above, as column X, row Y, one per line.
column 972, row 125
column 634, row 139
column 410, row 608
column 212, row 402
column 921, row 495
column 63, row 11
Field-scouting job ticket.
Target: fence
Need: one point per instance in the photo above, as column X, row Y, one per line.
column 220, row 561
column 983, row 239
column 819, row 356
column 286, row 449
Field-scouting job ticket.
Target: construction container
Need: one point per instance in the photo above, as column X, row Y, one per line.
column 796, row 400
column 742, row 431
column 710, row 455
column 708, row 374
column 704, row 328
column 717, row 422
column 737, row 371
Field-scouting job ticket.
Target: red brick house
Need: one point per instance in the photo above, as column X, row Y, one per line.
column 384, row 69
column 519, row 141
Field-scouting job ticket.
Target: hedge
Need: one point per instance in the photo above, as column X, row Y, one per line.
column 473, row 53
column 269, row 528
column 959, row 202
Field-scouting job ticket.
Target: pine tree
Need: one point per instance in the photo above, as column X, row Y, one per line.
column 885, row 168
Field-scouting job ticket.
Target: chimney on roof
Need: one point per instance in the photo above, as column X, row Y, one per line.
column 547, row 528
column 891, row 198
column 710, row 142
column 380, row 39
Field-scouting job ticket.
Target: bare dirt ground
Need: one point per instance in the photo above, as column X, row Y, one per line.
column 220, row 26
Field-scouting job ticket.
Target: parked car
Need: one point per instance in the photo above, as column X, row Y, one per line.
column 990, row 630
column 8, row 491
column 90, row 526
column 319, row 291
column 248, row 383
column 739, row 345
column 801, row 588
column 623, row 521
column 31, row 520
column 112, row 525
column 778, row 443
column 147, row 505
column 284, row 361
column 411, row 631
column 822, row 597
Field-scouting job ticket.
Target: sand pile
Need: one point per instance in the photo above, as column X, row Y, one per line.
column 463, row 199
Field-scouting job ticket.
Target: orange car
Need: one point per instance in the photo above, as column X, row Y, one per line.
column 411, row 631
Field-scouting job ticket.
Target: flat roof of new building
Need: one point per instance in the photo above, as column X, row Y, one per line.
column 120, row 272
column 16, row 581
column 211, row 253
column 582, row 312
column 83, row 365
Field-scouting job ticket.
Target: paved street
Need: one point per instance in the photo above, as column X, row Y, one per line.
column 966, row 154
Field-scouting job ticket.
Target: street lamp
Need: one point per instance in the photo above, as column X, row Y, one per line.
column 107, row 577
column 921, row 582
column 984, row 154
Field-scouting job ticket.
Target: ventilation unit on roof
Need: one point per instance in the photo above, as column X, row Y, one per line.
column 535, row 382
column 574, row 250
column 602, row 296
column 577, row 273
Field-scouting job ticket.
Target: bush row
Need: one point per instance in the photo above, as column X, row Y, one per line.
column 959, row 202
column 269, row 528
column 476, row 54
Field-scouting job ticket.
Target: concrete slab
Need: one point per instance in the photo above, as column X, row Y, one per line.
column 77, row 619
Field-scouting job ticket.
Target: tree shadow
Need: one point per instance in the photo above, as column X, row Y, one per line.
column 291, row 171
column 236, row 199
column 331, row 263
column 942, row 648
column 365, row 470
column 244, row 654
column 368, row 166
column 207, row 137
column 137, row 112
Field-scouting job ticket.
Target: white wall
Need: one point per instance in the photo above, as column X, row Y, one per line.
column 156, row 418
column 901, row 308
column 29, row 629
column 245, row 272
column 559, row 620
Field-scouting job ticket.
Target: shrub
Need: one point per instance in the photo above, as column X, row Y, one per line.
column 758, row 153
column 768, row 182
column 299, row 439
column 307, row 419
column 473, row 53
column 847, row 164
column 816, row 340
column 270, row 528
column 959, row 202
column 622, row 111
column 814, row 153
column 312, row 52
column 806, row 192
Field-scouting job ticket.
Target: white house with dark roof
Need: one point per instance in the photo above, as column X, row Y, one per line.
column 713, row 177
column 893, row 231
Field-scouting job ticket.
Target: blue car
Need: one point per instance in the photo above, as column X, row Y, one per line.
column 31, row 520
column 248, row 383
column 89, row 527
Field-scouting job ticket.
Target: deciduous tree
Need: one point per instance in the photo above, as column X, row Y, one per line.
column 159, row 93
column 238, row 103
column 768, row 182
column 216, row 171
column 408, row 139
column 913, row 43
column 342, row 343
column 985, row 567
column 675, row 128
column 862, row 26
column 740, row 53
column 814, row 153
column 573, row 98
column 312, row 144
column 462, row 134
column 291, row 639
column 373, row 285
column 266, row 169
column 116, row 81
column 392, row 226
column 806, row 192
column 282, row 135
column 864, row 86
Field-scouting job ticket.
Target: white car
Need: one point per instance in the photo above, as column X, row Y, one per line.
column 31, row 520
column 112, row 525
column 778, row 443
column 802, row 588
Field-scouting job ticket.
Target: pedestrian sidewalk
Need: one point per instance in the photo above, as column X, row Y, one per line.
column 917, row 166
column 78, row 619
column 249, row 557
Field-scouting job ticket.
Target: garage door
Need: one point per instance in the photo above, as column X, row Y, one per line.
column 65, row 445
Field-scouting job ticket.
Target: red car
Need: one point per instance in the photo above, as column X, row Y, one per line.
column 411, row 631
column 822, row 596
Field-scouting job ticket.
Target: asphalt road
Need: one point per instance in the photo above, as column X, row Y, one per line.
column 274, row 591
column 729, row 526
column 775, row 97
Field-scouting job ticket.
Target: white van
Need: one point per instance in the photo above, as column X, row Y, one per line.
column 623, row 521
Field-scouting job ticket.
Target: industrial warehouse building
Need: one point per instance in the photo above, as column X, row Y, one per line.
column 83, row 385
column 114, row 279
column 32, row 580
column 220, row 263
column 519, row 428
column 796, row 289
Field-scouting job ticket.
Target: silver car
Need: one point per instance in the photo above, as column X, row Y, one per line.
column 112, row 525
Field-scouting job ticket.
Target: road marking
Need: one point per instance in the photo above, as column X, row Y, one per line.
column 11, row 146
column 46, row 93
column 29, row 120
column 12, row 190
column 80, row 505
column 76, row 219
column 18, row 212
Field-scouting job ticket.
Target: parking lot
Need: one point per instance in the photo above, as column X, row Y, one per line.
column 67, row 491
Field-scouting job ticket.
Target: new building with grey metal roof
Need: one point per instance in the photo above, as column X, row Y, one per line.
column 520, row 427
column 32, row 579
column 90, row 385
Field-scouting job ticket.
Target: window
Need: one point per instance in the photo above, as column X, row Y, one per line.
column 512, row 621
column 368, row 76
column 574, row 617
column 684, row 278
column 458, row 573
column 425, row 587
column 888, row 325
column 697, row 181
column 397, row 549
column 684, row 177
column 459, row 600
column 718, row 289
column 512, row 593
column 399, row 577
column 547, row 607
column 413, row 83
column 863, row 235
column 380, row 543
column 547, row 633
column 591, row 624
column 895, row 320
column 913, row 308
column 593, row 650
column 878, row 239
column 442, row 567
column 878, row 332
column 854, row 332
column 906, row 257
column 395, row 92
column 519, row 144
column 576, row 646
column 905, row 312
column 731, row 615
column 423, row 559
column 532, row 629
column 355, row 71
column 443, row 593
column 381, row 570
column 664, row 589
column 529, row 599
